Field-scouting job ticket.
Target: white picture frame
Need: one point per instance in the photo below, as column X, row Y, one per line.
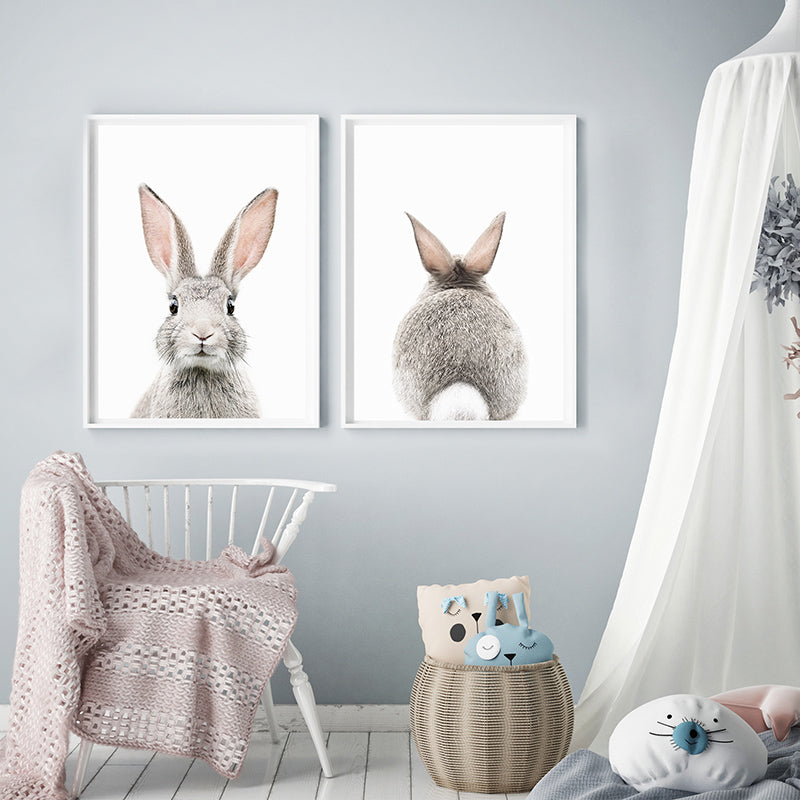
column 206, row 168
column 454, row 173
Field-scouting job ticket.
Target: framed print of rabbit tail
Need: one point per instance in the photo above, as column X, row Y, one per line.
column 465, row 317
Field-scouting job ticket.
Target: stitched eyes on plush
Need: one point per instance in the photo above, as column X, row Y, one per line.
column 453, row 613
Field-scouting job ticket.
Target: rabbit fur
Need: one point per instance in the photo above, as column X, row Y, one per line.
column 458, row 354
column 201, row 343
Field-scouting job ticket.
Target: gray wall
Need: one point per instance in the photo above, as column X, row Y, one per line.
column 413, row 506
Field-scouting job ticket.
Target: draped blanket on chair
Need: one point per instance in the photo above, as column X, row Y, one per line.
column 710, row 595
column 127, row 647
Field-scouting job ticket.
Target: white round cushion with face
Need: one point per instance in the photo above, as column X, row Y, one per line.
column 686, row 742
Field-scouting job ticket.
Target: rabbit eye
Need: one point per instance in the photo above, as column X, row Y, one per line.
column 231, row 307
column 173, row 305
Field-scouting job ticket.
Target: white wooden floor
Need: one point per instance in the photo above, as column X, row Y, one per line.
column 370, row 747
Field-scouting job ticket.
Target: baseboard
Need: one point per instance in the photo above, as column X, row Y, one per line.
column 381, row 718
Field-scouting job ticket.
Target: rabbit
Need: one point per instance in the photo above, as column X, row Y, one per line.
column 201, row 343
column 458, row 354
column 500, row 645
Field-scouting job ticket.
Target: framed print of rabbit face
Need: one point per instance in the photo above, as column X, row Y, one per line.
column 202, row 271
column 459, row 271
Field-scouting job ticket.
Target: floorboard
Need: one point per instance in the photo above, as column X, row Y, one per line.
column 299, row 772
column 160, row 779
column 388, row 767
column 372, row 753
column 100, row 754
column 112, row 782
column 123, row 757
column 348, row 754
column 201, row 783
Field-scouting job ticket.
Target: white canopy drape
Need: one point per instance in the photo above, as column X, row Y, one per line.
column 710, row 595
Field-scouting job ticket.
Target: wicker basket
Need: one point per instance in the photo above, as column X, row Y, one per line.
column 491, row 729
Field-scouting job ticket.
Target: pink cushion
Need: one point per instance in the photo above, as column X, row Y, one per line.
column 765, row 707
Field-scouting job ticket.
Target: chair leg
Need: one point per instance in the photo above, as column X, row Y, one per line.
column 269, row 710
column 308, row 708
column 80, row 769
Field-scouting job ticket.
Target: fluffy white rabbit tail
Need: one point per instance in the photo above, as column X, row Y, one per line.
column 459, row 401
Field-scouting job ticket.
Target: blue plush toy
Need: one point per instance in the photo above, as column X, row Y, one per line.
column 503, row 645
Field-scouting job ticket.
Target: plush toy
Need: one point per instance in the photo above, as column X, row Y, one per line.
column 686, row 742
column 765, row 707
column 507, row 645
column 449, row 615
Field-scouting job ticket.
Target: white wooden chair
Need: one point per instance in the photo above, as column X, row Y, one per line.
column 159, row 507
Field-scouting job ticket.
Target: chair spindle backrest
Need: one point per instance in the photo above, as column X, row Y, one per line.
column 286, row 500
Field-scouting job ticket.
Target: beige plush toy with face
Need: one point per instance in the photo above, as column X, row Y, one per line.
column 451, row 615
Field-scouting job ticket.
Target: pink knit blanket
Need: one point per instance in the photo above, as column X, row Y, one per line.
column 128, row 647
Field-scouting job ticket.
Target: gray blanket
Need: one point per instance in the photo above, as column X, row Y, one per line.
column 587, row 776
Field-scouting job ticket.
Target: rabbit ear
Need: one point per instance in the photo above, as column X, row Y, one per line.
column 245, row 241
column 481, row 255
column 490, row 601
column 519, row 605
column 168, row 244
column 435, row 256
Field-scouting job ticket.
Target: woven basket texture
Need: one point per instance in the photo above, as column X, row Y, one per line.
column 491, row 729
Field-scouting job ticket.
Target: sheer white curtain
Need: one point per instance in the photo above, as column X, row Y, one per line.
column 710, row 595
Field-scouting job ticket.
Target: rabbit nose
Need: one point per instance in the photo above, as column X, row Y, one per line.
column 510, row 657
column 202, row 329
column 476, row 616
